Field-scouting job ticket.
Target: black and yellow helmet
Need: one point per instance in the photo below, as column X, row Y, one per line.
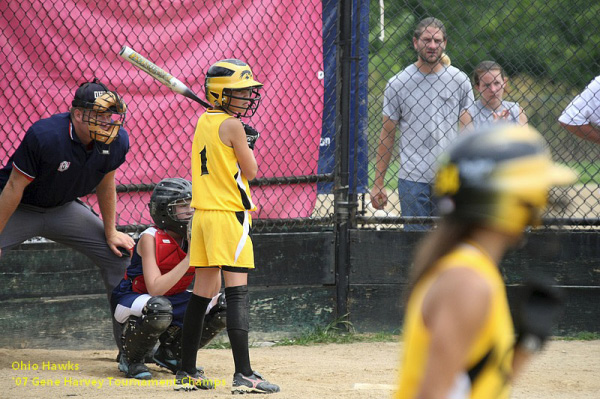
column 224, row 78
column 499, row 177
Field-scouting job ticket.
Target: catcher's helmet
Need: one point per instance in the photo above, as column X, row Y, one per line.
column 227, row 76
column 499, row 177
column 167, row 194
column 104, row 110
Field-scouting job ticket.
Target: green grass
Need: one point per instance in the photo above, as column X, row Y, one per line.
column 335, row 337
column 219, row 345
column 580, row 336
column 333, row 334
column 391, row 175
column 338, row 331
column 589, row 172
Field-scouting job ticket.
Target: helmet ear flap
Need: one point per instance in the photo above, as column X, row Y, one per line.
column 216, row 98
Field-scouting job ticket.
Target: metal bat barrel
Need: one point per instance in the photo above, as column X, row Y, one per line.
column 159, row 74
column 152, row 69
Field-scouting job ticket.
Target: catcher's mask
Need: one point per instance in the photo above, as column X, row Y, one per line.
column 500, row 177
column 225, row 80
column 167, row 195
column 103, row 110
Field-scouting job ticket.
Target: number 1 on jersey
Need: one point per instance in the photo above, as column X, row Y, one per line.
column 203, row 160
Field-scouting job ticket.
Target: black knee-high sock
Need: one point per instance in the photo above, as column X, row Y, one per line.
column 238, row 307
column 192, row 331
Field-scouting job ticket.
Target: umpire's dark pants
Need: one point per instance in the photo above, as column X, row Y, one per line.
column 75, row 226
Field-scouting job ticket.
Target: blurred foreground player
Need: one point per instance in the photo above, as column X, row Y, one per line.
column 459, row 339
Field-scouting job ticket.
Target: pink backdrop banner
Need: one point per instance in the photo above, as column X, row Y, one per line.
column 50, row 47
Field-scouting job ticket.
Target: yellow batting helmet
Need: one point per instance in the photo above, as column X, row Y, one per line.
column 224, row 78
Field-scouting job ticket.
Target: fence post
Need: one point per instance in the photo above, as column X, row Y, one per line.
column 344, row 206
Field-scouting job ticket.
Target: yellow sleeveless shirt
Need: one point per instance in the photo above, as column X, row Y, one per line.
column 217, row 180
column 489, row 361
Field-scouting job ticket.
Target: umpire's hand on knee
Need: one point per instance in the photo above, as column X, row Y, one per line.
column 118, row 239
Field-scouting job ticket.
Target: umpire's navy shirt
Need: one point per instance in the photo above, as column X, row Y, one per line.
column 59, row 166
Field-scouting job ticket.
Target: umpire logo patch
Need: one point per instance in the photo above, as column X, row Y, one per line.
column 64, row 165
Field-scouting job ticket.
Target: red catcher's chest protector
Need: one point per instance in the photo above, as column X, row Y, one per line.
column 168, row 255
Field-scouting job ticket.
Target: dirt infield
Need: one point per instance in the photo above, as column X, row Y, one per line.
column 566, row 370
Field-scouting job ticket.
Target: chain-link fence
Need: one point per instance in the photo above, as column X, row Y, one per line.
column 548, row 52
column 325, row 79
column 50, row 47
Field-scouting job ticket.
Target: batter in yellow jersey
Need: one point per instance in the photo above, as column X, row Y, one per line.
column 221, row 197
column 222, row 160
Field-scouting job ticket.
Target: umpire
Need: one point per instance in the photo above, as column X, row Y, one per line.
column 60, row 159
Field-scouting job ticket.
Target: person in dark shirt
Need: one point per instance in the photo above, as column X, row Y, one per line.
column 60, row 159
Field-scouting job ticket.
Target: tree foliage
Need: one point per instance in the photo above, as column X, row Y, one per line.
column 554, row 40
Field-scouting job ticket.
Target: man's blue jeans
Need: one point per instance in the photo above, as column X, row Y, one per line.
column 415, row 200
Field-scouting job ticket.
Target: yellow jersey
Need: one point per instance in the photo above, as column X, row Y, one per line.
column 489, row 361
column 217, row 180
